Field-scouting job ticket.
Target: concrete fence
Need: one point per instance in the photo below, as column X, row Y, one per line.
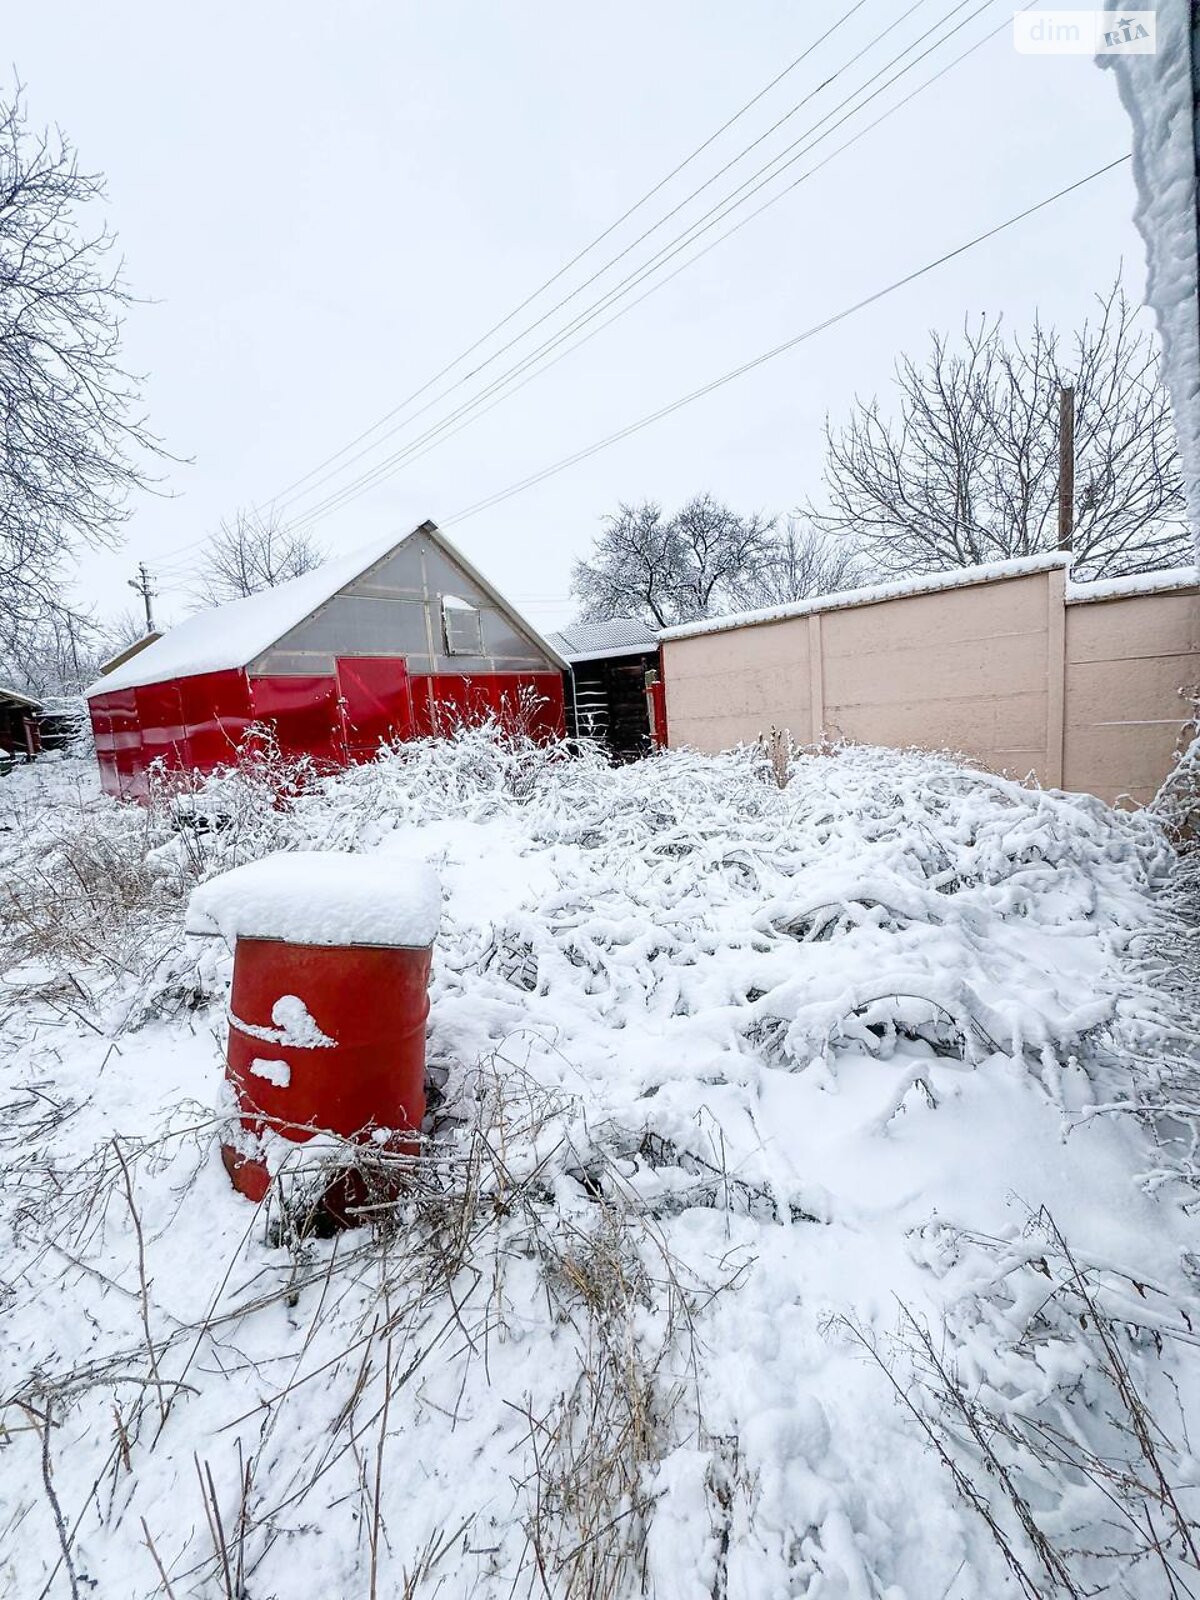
column 1077, row 686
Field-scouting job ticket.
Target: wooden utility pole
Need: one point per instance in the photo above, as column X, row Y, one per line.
column 1066, row 468
column 144, row 586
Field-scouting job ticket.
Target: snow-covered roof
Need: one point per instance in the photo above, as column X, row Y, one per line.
column 119, row 657
column 1136, row 583
column 232, row 635
column 13, row 694
column 593, row 641
column 925, row 583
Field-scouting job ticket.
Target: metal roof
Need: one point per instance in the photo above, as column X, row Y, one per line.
column 591, row 641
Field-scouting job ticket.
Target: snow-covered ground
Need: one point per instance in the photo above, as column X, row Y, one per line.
column 791, row 1222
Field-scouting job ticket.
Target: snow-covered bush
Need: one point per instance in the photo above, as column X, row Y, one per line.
column 725, row 1064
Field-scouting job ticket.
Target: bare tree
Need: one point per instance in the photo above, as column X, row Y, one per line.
column 664, row 570
column 968, row 472
column 64, row 652
column 253, row 553
column 800, row 564
column 718, row 551
column 70, row 435
column 633, row 570
column 704, row 561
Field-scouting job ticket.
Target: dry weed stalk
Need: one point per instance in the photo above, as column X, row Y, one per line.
column 1098, row 1431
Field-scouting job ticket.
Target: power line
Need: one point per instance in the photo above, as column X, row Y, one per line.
column 417, row 454
column 680, row 242
column 587, row 249
column 579, row 289
column 195, row 544
column 778, row 350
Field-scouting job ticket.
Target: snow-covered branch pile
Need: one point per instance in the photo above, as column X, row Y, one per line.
column 747, row 1093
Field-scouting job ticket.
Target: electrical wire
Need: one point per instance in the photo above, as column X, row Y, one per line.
column 586, row 250
column 712, row 245
column 712, row 218
column 612, row 261
column 778, row 350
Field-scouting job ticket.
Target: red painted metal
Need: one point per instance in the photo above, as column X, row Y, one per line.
column 528, row 701
column 161, row 725
column 304, row 713
column 200, row 723
column 376, row 699
column 371, row 1002
column 102, row 735
column 656, row 696
column 217, row 714
column 126, row 744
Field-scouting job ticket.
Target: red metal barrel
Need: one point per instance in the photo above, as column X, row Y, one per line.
column 325, row 1038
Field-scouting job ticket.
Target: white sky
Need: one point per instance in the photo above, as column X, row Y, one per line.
column 327, row 203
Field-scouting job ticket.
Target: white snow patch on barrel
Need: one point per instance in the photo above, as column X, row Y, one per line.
column 276, row 1072
column 295, row 1025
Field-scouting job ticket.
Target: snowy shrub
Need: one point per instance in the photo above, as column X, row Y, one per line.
column 722, row 1066
column 1043, row 1395
column 1177, row 803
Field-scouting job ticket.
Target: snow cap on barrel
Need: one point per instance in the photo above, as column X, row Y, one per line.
column 321, row 897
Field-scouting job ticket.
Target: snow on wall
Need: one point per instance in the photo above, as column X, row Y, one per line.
column 1085, row 695
column 1135, row 583
column 924, row 583
column 1158, row 91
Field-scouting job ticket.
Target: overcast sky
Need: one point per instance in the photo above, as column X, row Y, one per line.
column 325, row 204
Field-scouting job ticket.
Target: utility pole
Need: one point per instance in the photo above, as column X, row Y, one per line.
column 145, row 587
column 1066, row 468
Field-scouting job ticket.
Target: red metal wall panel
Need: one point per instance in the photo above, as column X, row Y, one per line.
column 103, row 737
column 304, row 713
column 121, row 705
column 199, row 723
column 530, row 701
column 376, row 702
column 656, row 695
column 161, row 724
column 216, row 714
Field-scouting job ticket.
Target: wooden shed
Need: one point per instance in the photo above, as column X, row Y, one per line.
column 615, row 693
column 399, row 640
column 20, row 734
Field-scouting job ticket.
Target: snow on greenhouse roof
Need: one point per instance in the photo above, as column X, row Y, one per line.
column 221, row 637
column 925, row 583
column 592, row 641
column 232, row 635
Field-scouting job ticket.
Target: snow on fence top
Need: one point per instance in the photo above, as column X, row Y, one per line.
column 321, row 897
column 214, row 640
column 1135, row 583
column 933, row 582
column 924, row 583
